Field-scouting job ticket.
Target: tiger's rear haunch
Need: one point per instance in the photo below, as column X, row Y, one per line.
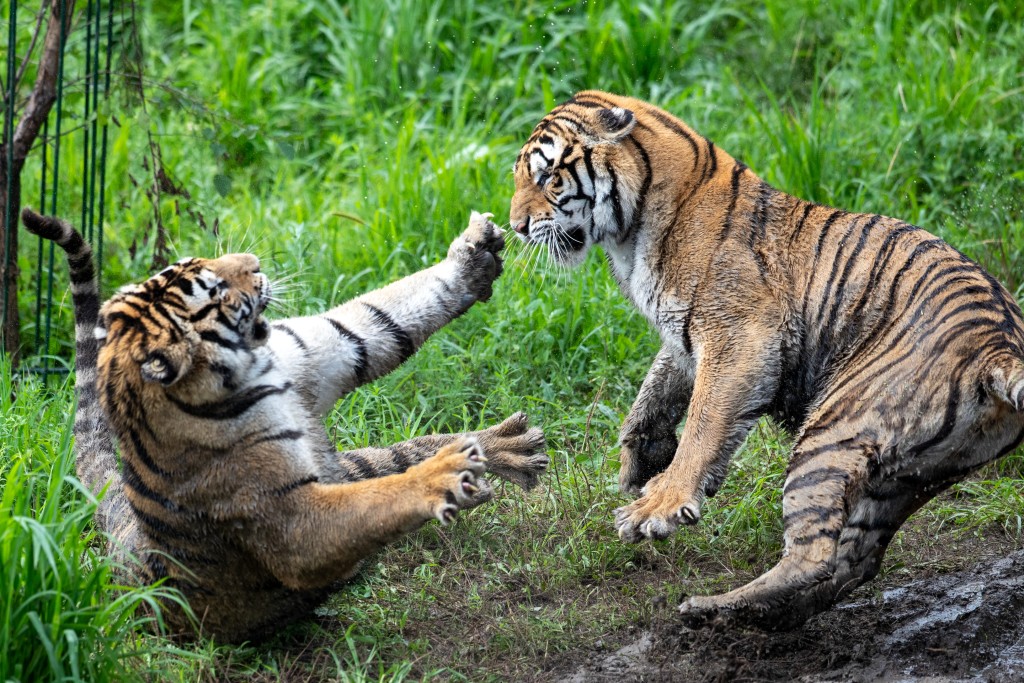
column 228, row 487
column 896, row 361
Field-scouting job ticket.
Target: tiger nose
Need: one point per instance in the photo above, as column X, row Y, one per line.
column 523, row 227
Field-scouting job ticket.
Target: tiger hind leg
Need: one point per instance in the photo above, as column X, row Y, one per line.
column 823, row 480
column 841, row 509
column 865, row 538
column 514, row 450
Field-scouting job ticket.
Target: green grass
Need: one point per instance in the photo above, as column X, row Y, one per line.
column 356, row 137
column 64, row 614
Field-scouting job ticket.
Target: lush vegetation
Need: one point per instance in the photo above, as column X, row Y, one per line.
column 346, row 142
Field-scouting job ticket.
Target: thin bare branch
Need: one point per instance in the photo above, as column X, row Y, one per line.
column 31, row 46
column 44, row 92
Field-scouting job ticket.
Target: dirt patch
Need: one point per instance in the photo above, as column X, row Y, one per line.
column 966, row 625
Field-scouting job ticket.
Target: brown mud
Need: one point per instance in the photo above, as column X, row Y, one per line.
column 966, row 625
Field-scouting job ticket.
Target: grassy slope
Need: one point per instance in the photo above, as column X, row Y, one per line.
column 357, row 138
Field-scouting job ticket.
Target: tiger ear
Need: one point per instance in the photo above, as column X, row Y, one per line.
column 166, row 365
column 614, row 124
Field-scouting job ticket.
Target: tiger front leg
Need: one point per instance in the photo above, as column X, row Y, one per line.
column 330, row 354
column 735, row 383
column 648, row 436
column 514, row 450
column 321, row 532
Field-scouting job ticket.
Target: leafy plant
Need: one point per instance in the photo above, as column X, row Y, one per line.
column 64, row 613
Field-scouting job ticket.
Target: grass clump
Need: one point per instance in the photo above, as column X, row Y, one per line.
column 64, row 613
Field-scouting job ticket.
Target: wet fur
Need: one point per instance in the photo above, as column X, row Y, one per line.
column 896, row 361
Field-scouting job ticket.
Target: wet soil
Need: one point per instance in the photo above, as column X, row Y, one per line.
column 965, row 625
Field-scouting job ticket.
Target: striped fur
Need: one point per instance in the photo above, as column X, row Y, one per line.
column 229, row 488
column 896, row 361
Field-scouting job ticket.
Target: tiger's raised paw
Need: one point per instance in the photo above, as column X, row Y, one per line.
column 477, row 251
column 452, row 479
column 515, row 451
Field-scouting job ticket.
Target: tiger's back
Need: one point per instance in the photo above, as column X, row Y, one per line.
column 865, row 297
column 896, row 361
column 888, row 308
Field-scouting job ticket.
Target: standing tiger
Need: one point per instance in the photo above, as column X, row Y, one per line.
column 897, row 362
column 229, row 488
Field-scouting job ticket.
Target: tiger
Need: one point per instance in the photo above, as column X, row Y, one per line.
column 896, row 362
column 228, row 488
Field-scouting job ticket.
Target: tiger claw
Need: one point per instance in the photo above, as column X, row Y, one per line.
column 657, row 529
column 446, row 514
column 473, row 450
column 627, row 531
column 689, row 514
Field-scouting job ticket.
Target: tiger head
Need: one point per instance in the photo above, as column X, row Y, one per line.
column 192, row 327
column 577, row 179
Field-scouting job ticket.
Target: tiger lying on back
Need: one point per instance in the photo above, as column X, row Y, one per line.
column 229, row 487
column 897, row 362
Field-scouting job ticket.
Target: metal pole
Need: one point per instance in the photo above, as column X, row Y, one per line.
column 56, row 170
column 39, row 253
column 86, row 80
column 103, row 151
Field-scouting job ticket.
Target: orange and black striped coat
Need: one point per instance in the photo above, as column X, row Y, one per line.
column 897, row 362
column 228, row 487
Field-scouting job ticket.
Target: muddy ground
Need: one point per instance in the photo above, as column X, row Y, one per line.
column 965, row 625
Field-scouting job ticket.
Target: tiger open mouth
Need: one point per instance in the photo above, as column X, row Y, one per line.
column 575, row 239
column 562, row 244
column 261, row 328
column 567, row 241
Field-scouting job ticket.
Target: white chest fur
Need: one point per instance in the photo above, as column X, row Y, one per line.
column 641, row 285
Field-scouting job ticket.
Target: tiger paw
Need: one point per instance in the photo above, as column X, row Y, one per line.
column 515, row 451
column 705, row 610
column 657, row 514
column 476, row 250
column 727, row 610
column 452, row 479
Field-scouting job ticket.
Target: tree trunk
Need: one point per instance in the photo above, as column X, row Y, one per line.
column 37, row 110
column 9, row 276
